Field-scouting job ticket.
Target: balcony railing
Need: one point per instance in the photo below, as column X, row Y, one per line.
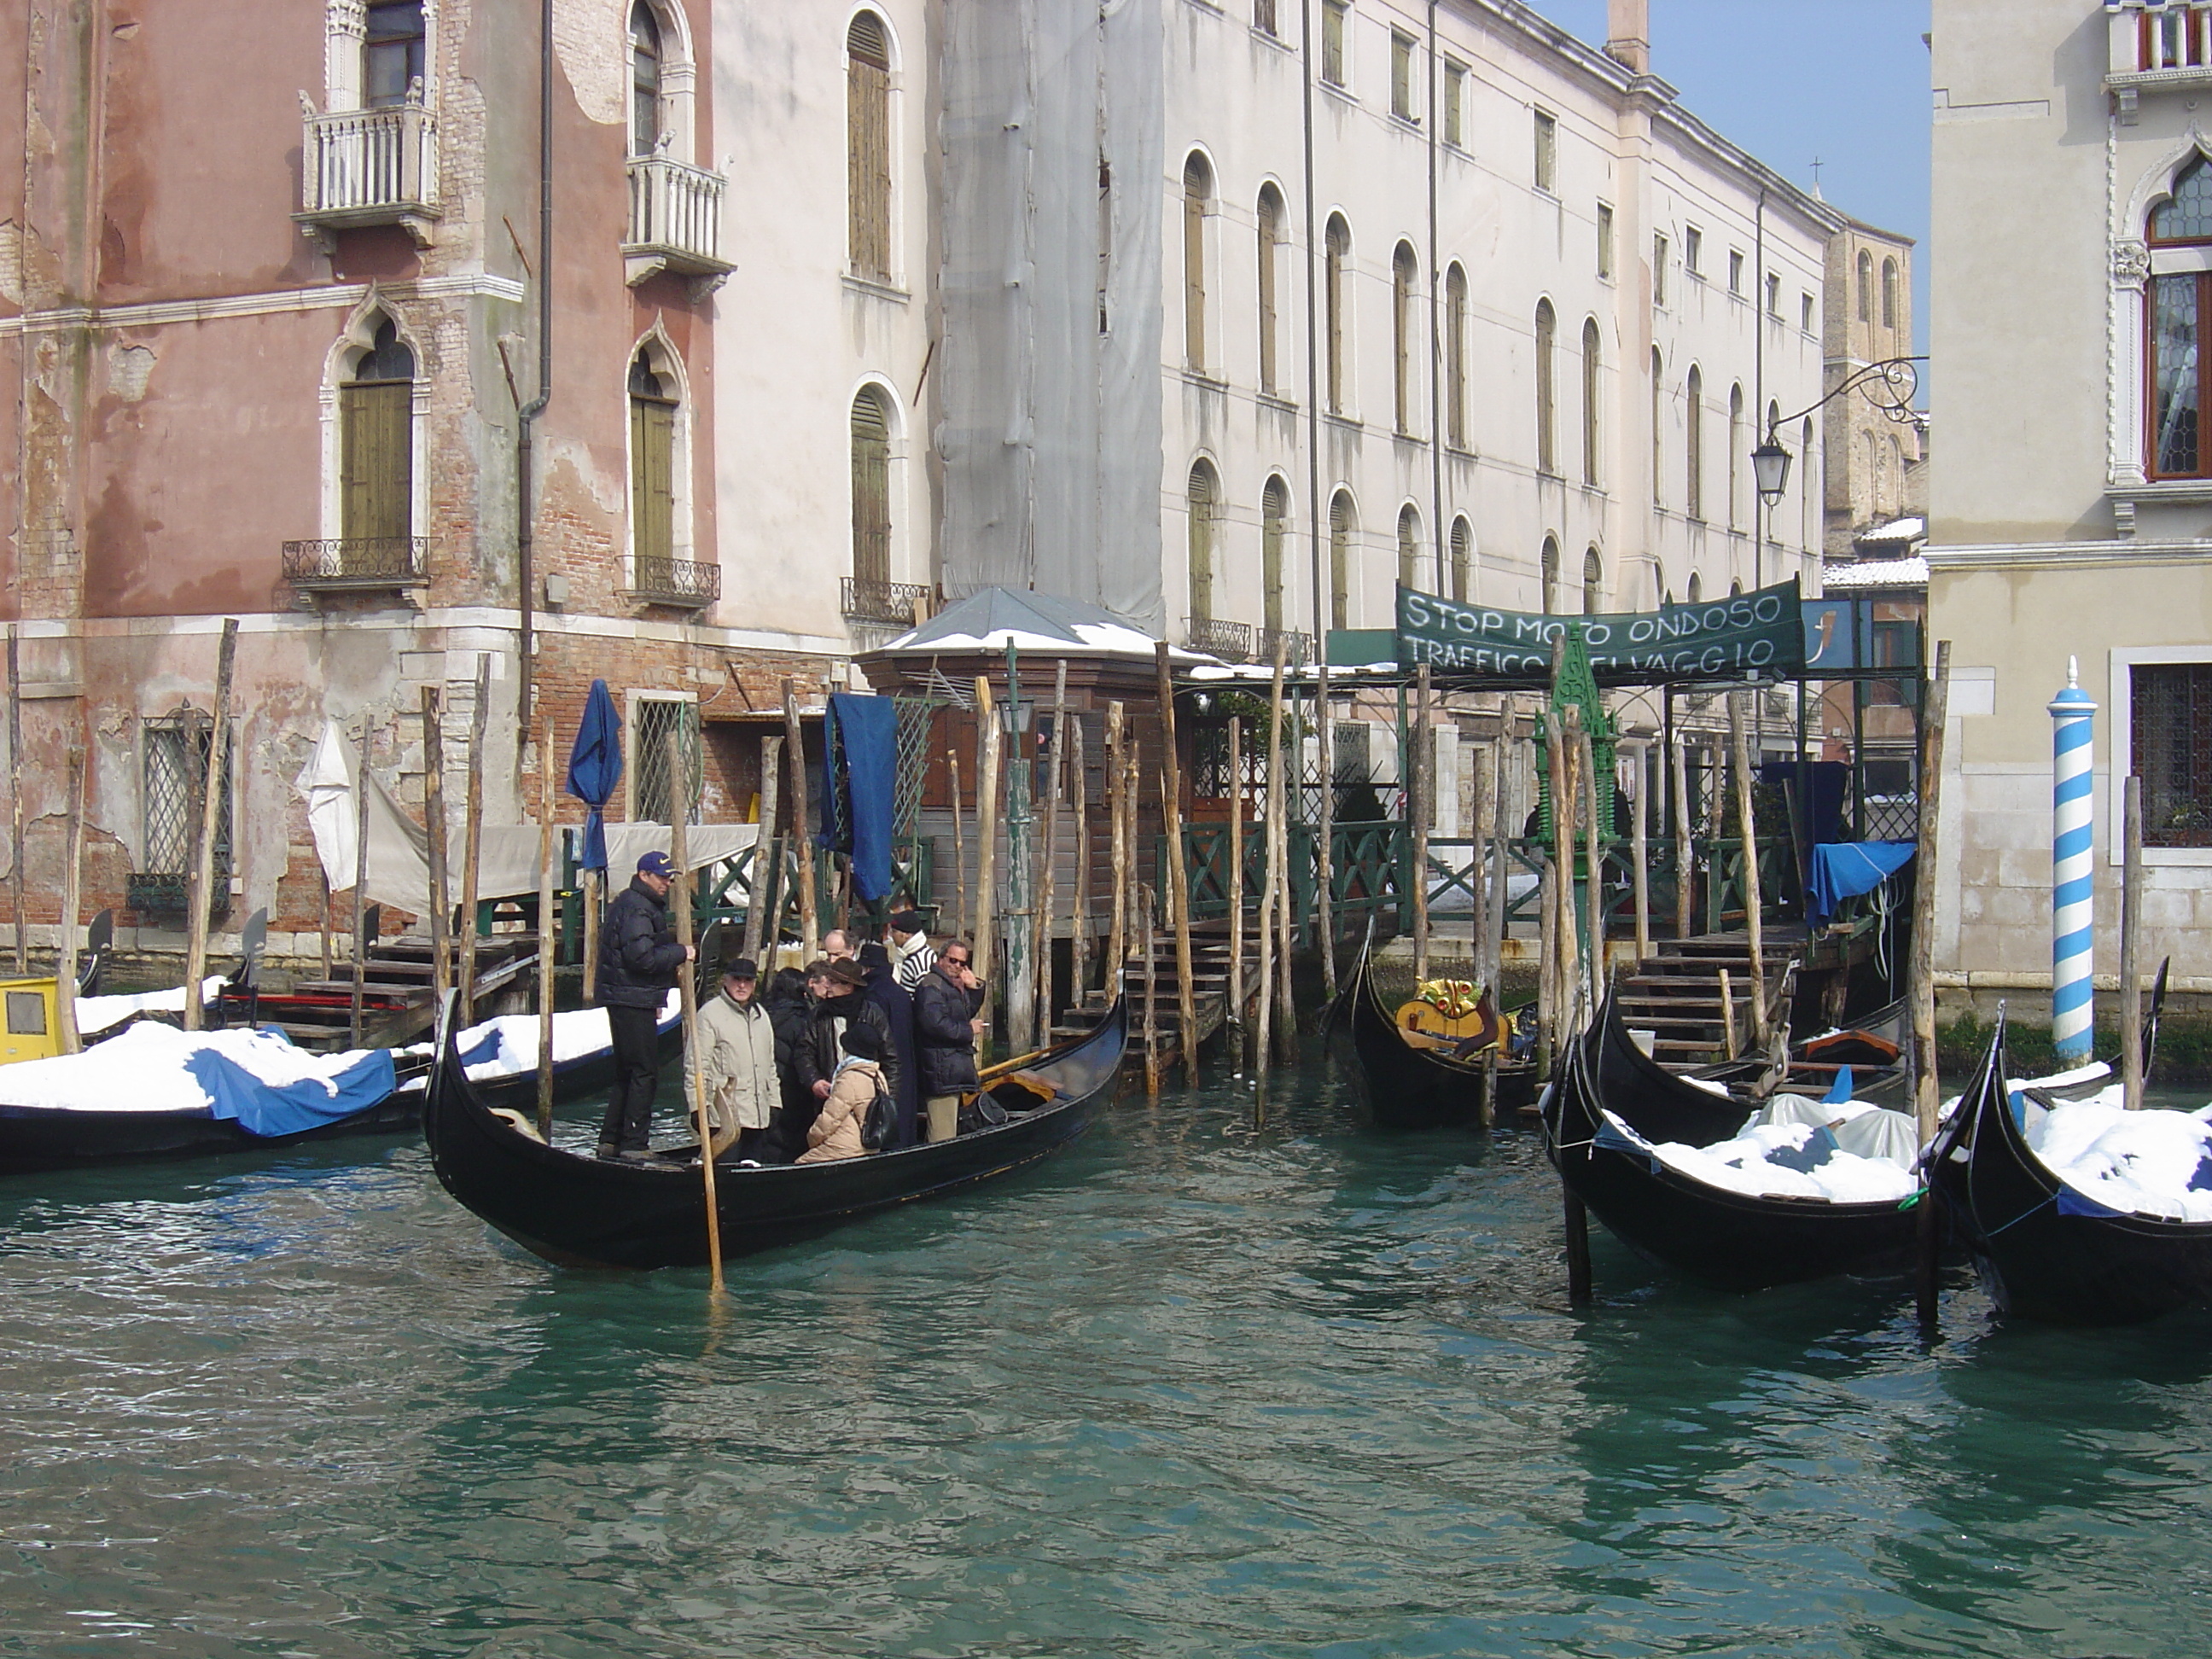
column 1231, row 641
column 2163, row 42
column 675, row 221
column 369, row 167
column 357, row 562
column 1298, row 646
column 678, row 582
column 893, row 604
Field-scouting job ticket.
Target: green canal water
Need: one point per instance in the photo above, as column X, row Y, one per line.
column 1191, row 1387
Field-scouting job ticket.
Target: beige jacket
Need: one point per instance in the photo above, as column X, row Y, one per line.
column 736, row 1056
column 836, row 1132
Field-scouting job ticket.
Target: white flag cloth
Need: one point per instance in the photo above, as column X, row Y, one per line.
column 399, row 848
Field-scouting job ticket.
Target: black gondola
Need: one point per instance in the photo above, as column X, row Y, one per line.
column 1404, row 1087
column 1739, row 1241
column 582, row 1212
column 38, row 1138
column 2044, row 1251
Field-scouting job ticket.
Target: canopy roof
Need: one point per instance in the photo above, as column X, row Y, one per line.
column 992, row 618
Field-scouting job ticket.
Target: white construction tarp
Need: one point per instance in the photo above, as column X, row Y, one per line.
column 400, row 848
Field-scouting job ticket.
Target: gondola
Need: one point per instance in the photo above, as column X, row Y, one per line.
column 1404, row 1087
column 1735, row 1240
column 2044, row 1251
column 579, row 1211
column 34, row 1137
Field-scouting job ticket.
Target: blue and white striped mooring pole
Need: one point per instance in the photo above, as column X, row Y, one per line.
column 2073, row 930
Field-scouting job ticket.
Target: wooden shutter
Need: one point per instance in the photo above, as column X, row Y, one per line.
column 653, row 479
column 872, row 493
column 868, row 146
column 377, row 462
column 1201, row 543
column 1274, row 509
column 1270, row 232
column 1195, row 187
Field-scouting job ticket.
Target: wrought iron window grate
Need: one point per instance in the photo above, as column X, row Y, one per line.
column 652, row 797
column 2173, row 726
column 174, row 761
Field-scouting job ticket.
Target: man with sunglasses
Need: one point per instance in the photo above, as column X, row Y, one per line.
column 947, row 1025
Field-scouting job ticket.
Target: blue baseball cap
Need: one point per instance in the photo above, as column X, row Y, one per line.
column 657, row 864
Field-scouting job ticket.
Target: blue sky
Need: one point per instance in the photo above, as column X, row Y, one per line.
column 1790, row 80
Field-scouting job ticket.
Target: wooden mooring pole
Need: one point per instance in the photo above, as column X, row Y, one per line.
column 1920, row 973
column 433, row 821
column 959, row 851
column 795, row 752
column 761, row 924
column 1079, row 943
column 1747, row 831
column 472, row 839
column 1117, row 915
column 1235, row 1013
column 360, row 889
column 548, row 934
column 199, row 884
column 1178, row 882
column 1419, row 808
column 2131, row 883
column 987, row 825
column 72, row 900
column 16, row 800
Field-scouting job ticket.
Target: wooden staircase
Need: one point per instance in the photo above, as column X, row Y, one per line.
column 1675, row 993
column 1209, row 964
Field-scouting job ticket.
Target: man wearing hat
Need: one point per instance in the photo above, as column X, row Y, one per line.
column 737, row 1061
column 911, row 955
column 840, row 1000
column 639, row 960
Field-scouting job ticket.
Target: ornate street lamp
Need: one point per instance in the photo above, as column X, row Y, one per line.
column 1890, row 386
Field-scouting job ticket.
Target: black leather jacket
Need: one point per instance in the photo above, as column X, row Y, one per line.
column 639, row 956
column 819, row 1052
column 943, row 1042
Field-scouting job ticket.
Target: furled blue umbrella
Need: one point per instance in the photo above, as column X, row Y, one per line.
column 595, row 766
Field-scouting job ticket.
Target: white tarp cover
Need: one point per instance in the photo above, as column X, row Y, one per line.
column 399, row 848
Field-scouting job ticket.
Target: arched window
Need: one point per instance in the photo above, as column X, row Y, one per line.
column 2180, row 317
column 1271, row 265
column 1658, row 430
column 1877, row 504
column 1405, row 273
column 1409, row 546
column 1696, row 590
column 1694, row 445
column 1866, row 286
column 1549, row 566
column 871, row 491
column 1336, row 265
column 1274, row 531
column 652, row 468
column 1204, row 501
column 1897, row 474
column 1735, row 458
column 1455, row 356
column 646, row 132
column 868, row 145
column 392, row 53
column 1593, row 582
column 1889, row 294
column 1341, row 527
column 1462, row 559
column 1197, row 202
column 1548, row 329
column 376, row 449
column 1592, row 436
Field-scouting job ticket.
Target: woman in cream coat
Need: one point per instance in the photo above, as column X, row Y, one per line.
column 737, row 1044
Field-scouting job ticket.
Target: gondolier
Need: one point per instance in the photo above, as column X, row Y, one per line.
column 639, row 960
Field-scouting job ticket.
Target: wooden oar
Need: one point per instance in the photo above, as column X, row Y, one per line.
column 688, row 980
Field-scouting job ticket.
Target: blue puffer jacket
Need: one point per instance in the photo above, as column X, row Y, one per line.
column 639, row 956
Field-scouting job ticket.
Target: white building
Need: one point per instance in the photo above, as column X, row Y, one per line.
column 2071, row 498
column 1503, row 337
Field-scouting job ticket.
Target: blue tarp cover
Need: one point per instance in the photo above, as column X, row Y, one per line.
column 1845, row 869
column 595, row 766
column 2073, row 1203
column 291, row 1108
column 860, row 765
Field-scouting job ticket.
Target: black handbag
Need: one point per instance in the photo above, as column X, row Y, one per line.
column 880, row 1125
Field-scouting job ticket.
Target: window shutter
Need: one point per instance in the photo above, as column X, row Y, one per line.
column 1195, row 186
column 1201, row 543
column 868, row 148
column 376, row 461
column 871, row 492
column 653, row 480
column 1274, row 509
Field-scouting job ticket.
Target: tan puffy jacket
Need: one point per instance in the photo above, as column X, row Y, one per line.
column 836, row 1132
